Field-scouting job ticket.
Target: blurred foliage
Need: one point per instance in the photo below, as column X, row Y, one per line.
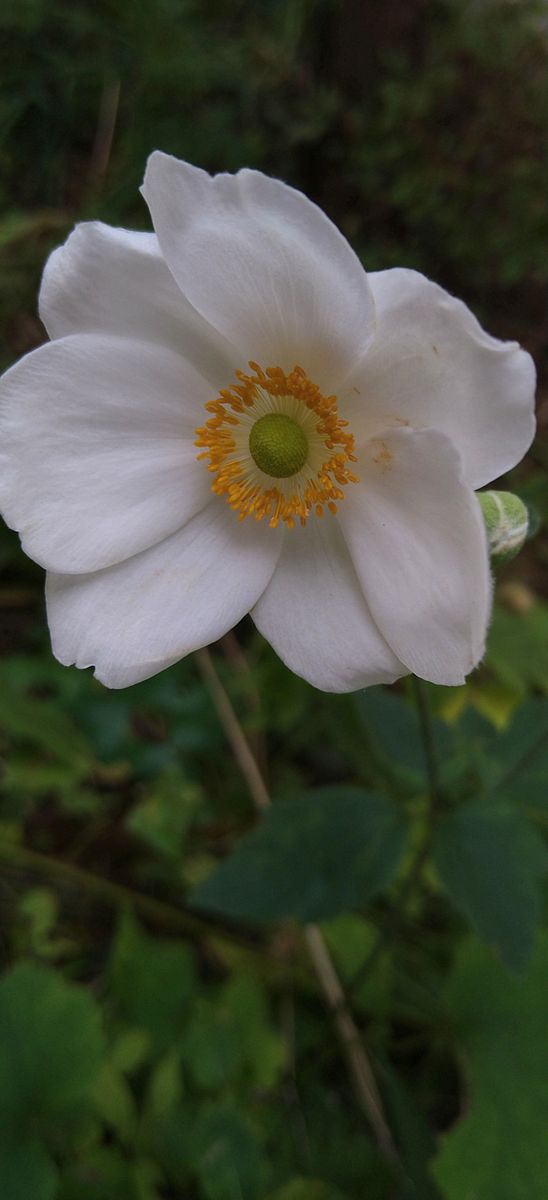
column 193, row 1056
column 162, row 1035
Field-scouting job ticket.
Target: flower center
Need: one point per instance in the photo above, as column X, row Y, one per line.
column 277, row 447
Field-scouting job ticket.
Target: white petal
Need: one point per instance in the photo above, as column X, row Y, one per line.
column 431, row 364
column 115, row 281
column 416, row 536
column 264, row 265
column 140, row 616
column 314, row 614
column 97, row 459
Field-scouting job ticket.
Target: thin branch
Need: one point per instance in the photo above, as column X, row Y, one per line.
column 234, row 654
column 114, row 894
column 360, row 1069
column 238, row 660
column 234, row 732
column 104, row 133
column 365, row 1084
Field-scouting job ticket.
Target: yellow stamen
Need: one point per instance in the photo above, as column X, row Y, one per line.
column 319, row 444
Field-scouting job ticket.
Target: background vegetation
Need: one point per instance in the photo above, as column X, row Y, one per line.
column 162, row 1033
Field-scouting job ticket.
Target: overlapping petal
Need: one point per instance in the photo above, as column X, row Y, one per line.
column 432, row 365
column 314, row 614
column 144, row 614
column 264, row 265
column 98, row 466
column 115, row 282
column 416, row 537
column 97, row 459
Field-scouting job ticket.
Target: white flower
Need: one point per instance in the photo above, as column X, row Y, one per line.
column 233, row 417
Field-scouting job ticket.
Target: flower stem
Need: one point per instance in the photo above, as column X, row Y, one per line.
column 114, row 894
column 360, row 1070
column 415, row 869
column 160, row 913
column 428, row 743
column 234, row 732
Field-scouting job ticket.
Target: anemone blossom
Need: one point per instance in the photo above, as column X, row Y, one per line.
column 232, row 417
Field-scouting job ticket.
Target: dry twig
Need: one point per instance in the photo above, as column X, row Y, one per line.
column 361, row 1072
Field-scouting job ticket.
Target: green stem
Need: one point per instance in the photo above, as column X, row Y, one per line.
column 428, row 743
column 114, row 894
column 420, row 857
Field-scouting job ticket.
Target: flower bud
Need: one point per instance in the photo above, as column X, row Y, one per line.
column 507, row 523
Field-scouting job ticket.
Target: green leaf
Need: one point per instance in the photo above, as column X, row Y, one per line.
column 51, row 1046
column 490, row 860
column 520, row 757
column 130, row 1050
column 414, row 1137
column 307, row 1189
column 310, row 858
column 499, row 1149
column 211, row 1049
column 393, row 729
column 164, row 1086
column 26, row 1171
column 114, row 1102
column 39, row 909
column 104, row 1174
column 351, row 939
column 164, row 816
column 340, row 1149
column 517, row 650
column 263, row 1050
column 227, row 1156
column 41, row 723
column 170, row 1140
column 152, row 980
column 230, row 1038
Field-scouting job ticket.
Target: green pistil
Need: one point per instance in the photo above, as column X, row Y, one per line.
column 278, row 445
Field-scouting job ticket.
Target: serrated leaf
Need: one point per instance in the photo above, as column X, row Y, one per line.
column 392, row 724
column 51, row 1046
column 499, row 1149
column 310, row 858
column 520, row 757
column 490, row 861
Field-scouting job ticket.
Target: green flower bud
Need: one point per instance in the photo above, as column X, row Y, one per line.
column 507, row 523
